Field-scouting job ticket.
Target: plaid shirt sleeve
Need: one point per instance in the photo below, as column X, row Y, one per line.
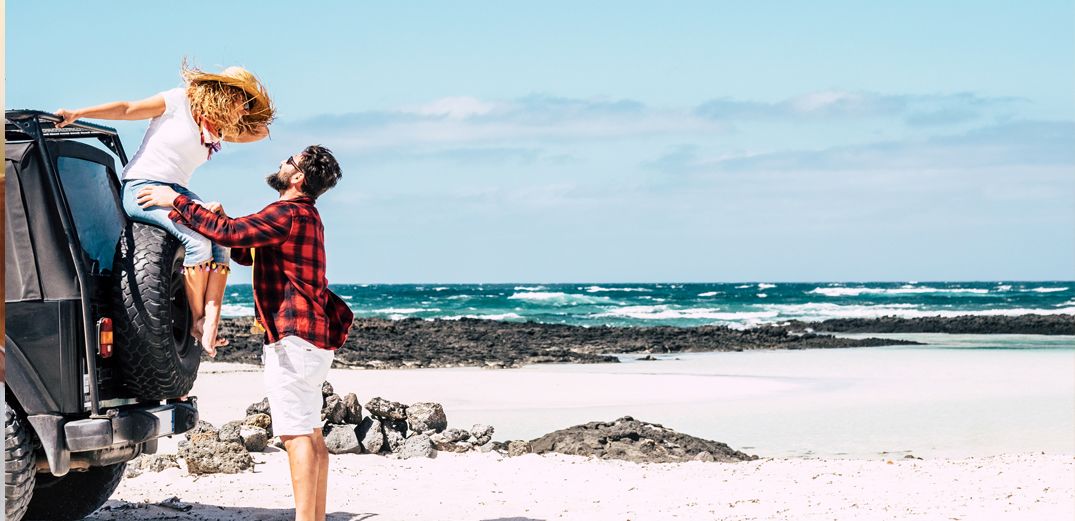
column 272, row 225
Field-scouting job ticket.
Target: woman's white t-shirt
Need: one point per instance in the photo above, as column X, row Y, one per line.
column 172, row 147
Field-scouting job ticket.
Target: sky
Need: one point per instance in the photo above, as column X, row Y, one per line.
column 622, row 141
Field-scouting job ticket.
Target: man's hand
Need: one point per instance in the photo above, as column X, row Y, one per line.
column 157, row 195
column 215, row 207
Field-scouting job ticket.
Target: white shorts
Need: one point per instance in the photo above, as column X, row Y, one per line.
column 294, row 372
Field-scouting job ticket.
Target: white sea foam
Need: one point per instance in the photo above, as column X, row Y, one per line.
column 502, row 316
column 348, row 297
column 440, row 288
column 744, row 286
column 762, row 295
column 530, row 288
column 708, row 294
column 232, row 310
column 1003, row 287
column 665, row 312
column 822, row 311
column 764, row 285
column 1047, row 290
column 904, row 290
column 458, row 297
column 405, row 311
column 558, row 298
column 594, row 289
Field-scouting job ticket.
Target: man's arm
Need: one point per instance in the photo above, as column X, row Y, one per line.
column 272, row 225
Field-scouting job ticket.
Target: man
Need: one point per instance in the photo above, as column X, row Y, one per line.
column 304, row 322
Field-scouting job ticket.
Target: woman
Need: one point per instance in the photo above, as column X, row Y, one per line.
column 187, row 126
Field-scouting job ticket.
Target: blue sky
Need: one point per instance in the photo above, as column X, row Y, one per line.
column 619, row 141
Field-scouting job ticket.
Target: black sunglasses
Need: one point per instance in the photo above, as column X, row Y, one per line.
column 291, row 161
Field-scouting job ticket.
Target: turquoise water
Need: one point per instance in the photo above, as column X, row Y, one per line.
column 691, row 304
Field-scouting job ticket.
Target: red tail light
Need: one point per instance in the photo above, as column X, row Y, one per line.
column 104, row 340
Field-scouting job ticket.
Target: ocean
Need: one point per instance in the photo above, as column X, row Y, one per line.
column 735, row 304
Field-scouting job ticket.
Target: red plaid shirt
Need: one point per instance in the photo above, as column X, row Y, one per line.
column 291, row 295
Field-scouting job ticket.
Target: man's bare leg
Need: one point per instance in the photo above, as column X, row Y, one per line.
column 303, row 459
column 217, row 280
column 322, row 474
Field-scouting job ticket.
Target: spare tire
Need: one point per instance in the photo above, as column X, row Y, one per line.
column 158, row 357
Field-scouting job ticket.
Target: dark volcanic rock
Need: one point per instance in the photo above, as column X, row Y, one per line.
column 261, row 407
column 352, row 409
column 386, row 409
column 333, row 410
column 211, row 457
column 417, row 446
column 371, row 435
column 967, row 324
column 342, row 439
column 633, row 440
column 387, row 344
column 426, row 416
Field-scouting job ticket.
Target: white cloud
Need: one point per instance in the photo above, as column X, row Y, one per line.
column 458, row 107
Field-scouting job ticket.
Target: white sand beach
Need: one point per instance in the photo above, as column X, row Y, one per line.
column 533, row 487
column 996, row 472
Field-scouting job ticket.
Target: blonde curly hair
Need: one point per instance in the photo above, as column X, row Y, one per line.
column 220, row 99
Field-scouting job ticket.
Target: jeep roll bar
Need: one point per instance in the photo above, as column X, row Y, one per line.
column 37, row 126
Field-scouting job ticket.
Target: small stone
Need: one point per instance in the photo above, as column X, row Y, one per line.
column 150, row 463
column 452, row 440
column 371, row 435
column 212, row 457
column 519, row 447
column 230, row 431
column 352, row 408
column 333, row 410
column 326, row 389
column 704, row 456
column 488, row 447
column 342, row 439
column 386, row 409
column 260, row 420
column 417, row 446
column 393, row 438
column 255, row 439
column 203, row 436
column 482, row 434
column 426, row 416
column 276, row 442
column 200, row 427
column 261, row 407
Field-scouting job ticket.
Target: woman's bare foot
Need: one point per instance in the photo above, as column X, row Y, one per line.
column 196, row 329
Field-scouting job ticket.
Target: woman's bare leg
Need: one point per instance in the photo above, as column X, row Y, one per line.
column 195, row 278
column 214, row 296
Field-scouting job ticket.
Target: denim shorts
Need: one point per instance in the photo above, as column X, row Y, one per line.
column 199, row 249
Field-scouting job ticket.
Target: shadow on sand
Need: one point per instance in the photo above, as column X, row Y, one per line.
column 183, row 511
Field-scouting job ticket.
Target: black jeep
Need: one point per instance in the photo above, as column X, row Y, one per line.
column 81, row 401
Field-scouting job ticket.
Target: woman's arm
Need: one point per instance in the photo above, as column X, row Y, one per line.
column 150, row 107
column 261, row 132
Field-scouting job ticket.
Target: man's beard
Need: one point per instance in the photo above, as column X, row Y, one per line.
column 274, row 182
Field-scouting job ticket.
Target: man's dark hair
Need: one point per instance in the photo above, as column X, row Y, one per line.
column 320, row 170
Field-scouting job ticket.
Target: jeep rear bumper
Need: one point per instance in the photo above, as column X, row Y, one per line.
column 104, row 440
